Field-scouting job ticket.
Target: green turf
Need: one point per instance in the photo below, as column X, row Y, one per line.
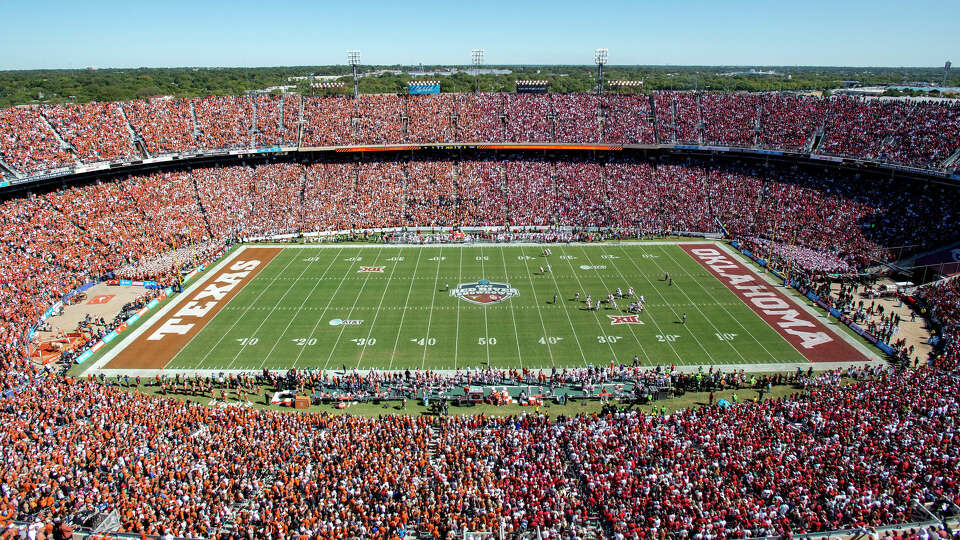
column 411, row 321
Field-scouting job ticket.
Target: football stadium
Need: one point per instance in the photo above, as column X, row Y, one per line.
column 631, row 312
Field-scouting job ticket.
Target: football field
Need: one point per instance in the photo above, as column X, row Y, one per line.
column 448, row 307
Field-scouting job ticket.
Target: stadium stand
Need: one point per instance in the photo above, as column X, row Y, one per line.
column 851, row 449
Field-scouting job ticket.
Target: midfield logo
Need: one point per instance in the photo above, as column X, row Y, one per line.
column 370, row 269
column 484, row 292
column 624, row 319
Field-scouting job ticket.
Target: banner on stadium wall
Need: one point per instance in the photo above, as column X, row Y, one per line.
column 424, row 89
column 826, row 158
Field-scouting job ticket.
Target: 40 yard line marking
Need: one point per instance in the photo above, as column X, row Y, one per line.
column 536, row 302
column 566, row 312
column 326, row 307
column 403, row 313
column 433, row 299
column 305, row 298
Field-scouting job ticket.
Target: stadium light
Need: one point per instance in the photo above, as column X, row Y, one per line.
column 946, row 71
column 600, row 58
column 353, row 58
column 476, row 57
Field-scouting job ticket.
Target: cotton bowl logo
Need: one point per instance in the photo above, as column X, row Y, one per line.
column 484, row 292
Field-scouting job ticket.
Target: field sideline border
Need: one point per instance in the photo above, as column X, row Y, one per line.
column 96, row 367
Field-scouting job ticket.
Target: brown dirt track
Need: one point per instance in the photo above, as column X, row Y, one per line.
column 836, row 350
column 144, row 354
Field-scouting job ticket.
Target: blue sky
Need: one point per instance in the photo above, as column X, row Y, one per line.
column 108, row 33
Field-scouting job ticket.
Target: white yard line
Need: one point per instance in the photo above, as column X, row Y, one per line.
column 611, row 290
column 486, row 327
column 343, row 327
column 242, row 315
column 513, row 315
column 316, row 325
column 566, row 311
column 377, row 313
column 243, row 346
column 456, row 343
column 596, row 315
column 306, row 297
column 433, row 299
column 654, row 288
column 162, row 312
column 725, row 310
column 403, row 314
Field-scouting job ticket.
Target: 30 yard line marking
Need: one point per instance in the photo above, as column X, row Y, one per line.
column 513, row 315
column 232, row 326
column 326, row 307
column 603, row 331
column 343, row 327
column 725, row 310
column 668, row 304
column 433, row 299
column 377, row 313
column 604, row 284
column 295, row 316
column 403, row 314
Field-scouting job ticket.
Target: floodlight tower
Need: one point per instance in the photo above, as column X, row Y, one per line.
column 353, row 58
column 946, row 71
column 476, row 56
column 600, row 58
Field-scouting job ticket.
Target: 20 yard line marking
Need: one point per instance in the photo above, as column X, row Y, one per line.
column 327, row 307
column 433, row 299
column 725, row 310
column 668, row 304
column 295, row 316
column 403, row 314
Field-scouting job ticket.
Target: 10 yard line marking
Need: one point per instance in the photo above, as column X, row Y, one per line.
column 305, row 298
column 725, row 310
column 433, row 299
column 325, row 308
column 232, row 326
column 403, row 314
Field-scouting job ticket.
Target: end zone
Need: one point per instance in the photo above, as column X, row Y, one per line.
column 158, row 341
column 801, row 329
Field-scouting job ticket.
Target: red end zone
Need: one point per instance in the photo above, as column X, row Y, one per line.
column 801, row 329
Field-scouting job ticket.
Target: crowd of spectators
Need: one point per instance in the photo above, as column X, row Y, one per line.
column 917, row 133
column 28, row 144
column 95, row 130
column 164, row 124
column 837, row 455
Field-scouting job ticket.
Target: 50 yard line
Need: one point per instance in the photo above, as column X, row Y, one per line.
column 513, row 315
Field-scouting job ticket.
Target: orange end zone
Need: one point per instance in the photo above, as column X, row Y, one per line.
column 154, row 348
